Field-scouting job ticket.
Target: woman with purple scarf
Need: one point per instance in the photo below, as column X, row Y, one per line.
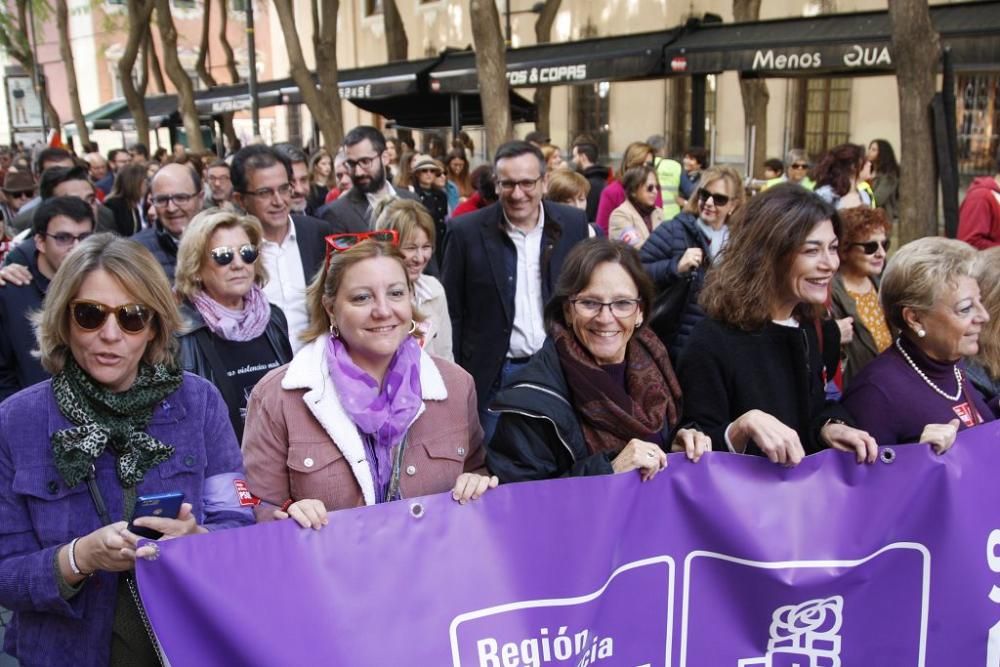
column 235, row 336
column 362, row 415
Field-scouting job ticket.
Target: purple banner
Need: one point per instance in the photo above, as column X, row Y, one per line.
column 732, row 561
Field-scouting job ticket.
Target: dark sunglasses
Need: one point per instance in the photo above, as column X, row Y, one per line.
column 223, row 255
column 719, row 199
column 871, row 247
column 800, row 165
column 650, row 188
column 91, row 315
column 340, row 242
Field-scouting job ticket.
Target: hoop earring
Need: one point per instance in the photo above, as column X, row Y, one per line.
column 334, row 331
column 413, row 327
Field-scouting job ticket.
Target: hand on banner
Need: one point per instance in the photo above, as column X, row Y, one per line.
column 849, row 439
column 470, row 486
column 940, row 436
column 779, row 443
column 15, row 274
column 308, row 513
column 691, row 442
column 640, row 455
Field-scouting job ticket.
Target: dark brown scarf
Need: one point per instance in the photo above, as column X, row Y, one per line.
column 611, row 417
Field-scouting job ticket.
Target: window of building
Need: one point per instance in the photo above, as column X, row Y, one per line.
column 373, row 7
column 183, row 4
column 820, row 112
column 589, row 113
column 977, row 111
column 237, row 5
column 679, row 94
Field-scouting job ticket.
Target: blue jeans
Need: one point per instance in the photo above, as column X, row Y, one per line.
column 488, row 419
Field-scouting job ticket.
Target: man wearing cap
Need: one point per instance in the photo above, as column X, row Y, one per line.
column 18, row 188
column 426, row 171
column 366, row 162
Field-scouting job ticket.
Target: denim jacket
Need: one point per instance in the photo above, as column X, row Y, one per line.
column 39, row 513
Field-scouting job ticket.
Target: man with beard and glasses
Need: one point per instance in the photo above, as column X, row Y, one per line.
column 366, row 162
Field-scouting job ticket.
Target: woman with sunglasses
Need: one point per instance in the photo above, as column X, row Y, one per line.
column 864, row 332
column 116, row 422
column 638, row 215
column 362, row 415
column 415, row 227
column 235, row 336
column 752, row 371
column 600, row 397
column 613, row 195
column 685, row 248
column 918, row 390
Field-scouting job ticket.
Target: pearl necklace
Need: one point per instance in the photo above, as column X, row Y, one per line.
column 958, row 375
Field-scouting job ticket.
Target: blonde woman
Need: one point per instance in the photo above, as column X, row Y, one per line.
column 984, row 368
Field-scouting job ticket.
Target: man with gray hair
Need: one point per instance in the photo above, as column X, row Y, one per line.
column 797, row 168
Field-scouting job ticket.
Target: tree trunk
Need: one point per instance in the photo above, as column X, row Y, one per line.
column 543, row 34
column 154, row 62
column 491, row 65
column 227, row 49
column 139, row 13
column 754, row 93
column 323, row 103
column 180, row 79
column 395, row 32
column 66, row 53
column 226, row 119
column 915, row 52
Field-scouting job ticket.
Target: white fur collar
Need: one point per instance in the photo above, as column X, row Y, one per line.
column 308, row 370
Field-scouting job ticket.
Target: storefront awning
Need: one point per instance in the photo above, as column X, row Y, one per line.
column 622, row 58
column 835, row 44
column 432, row 110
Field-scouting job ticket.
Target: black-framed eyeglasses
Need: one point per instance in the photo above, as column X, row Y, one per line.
column 364, row 162
column 23, row 194
column 717, row 197
column 91, row 315
column 526, row 185
column 282, row 191
column 871, row 247
column 224, row 254
column 66, row 239
column 179, row 198
column 593, row 307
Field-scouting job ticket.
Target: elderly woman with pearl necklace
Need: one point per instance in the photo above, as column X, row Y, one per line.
column 917, row 390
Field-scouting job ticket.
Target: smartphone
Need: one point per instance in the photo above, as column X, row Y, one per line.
column 166, row 505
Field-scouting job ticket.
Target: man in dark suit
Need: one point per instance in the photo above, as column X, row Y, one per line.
column 366, row 162
column 293, row 247
column 501, row 265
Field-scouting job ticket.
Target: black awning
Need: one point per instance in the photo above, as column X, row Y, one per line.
column 431, row 110
column 622, row 58
column 379, row 81
column 162, row 110
column 849, row 44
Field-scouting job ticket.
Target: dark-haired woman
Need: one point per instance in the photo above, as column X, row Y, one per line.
column 752, row 372
column 885, row 175
column 126, row 199
column 839, row 174
column 600, row 397
column 638, row 215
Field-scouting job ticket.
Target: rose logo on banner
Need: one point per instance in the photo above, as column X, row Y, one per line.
column 805, row 635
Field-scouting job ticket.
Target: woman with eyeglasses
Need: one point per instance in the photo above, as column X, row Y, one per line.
column 679, row 253
column 752, row 372
column 918, row 389
column 362, row 415
column 638, row 216
column 234, row 335
column 798, row 168
column 864, row 244
column 116, row 422
column 600, row 397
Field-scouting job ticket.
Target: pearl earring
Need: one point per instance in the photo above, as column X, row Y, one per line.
column 921, row 333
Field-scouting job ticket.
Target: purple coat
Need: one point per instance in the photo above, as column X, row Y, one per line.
column 39, row 514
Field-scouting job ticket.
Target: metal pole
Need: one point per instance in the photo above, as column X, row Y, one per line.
column 252, row 83
column 36, row 73
column 698, row 89
column 507, row 20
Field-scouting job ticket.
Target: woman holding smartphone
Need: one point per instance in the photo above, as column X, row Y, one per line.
column 117, row 422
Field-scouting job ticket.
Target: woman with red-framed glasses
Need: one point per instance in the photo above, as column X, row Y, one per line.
column 235, row 336
column 117, row 421
column 362, row 415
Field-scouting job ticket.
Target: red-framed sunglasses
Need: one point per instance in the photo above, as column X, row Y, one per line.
column 340, row 242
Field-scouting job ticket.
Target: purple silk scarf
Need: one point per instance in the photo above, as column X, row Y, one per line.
column 381, row 414
column 237, row 325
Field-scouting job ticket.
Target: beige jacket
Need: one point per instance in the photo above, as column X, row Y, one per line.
column 625, row 224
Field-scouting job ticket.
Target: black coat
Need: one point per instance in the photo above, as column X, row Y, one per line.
column 310, row 234
column 661, row 253
column 127, row 219
column 194, row 356
column 350, row 212
column 479, row 278
column 597, row 176
column 158, row 241
column 18, row 368
column 725, row 372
